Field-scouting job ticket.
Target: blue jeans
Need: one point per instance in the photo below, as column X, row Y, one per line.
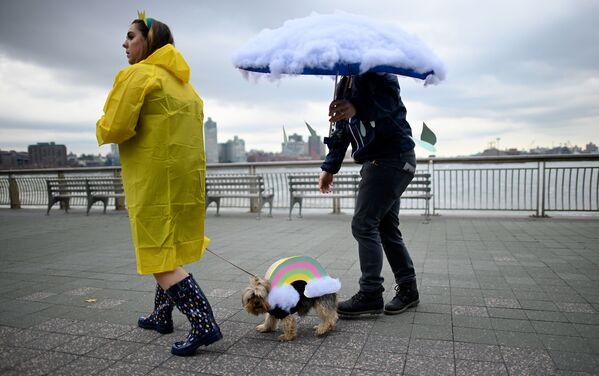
column 375, row 224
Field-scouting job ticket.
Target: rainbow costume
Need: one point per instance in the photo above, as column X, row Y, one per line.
column 295, row 279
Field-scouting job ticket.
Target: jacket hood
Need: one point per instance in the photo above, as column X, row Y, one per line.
column 169, row 58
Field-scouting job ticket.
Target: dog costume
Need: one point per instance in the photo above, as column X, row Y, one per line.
column 294, row 280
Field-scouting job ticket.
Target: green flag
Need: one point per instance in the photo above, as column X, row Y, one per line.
column 427, row 135
column 427, row 139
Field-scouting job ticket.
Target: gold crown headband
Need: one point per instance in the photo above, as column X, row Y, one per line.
column 147, row 20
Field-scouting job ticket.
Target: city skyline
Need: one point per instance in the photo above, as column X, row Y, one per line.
column 520, row 78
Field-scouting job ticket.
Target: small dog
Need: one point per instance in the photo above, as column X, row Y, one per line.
column 256, row 301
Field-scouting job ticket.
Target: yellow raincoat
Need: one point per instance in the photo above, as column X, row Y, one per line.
column 156, row 117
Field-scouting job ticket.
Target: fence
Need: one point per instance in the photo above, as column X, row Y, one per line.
column 537, row 184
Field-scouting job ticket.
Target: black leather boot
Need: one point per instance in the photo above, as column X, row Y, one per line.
column 192, row 302
column 406, row 296
column 161, row 320
column 362, row 303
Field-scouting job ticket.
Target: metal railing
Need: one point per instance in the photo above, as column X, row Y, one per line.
column 536, row 184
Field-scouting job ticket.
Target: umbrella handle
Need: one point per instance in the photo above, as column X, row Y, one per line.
column 343, row 93
column 331, row 124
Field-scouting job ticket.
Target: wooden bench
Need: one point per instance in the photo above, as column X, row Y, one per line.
column 62, row 190
column 306, row 186
column 102, row 189
column 420, row 189
column 238, row 186
column 346, row 186
column 92, row 189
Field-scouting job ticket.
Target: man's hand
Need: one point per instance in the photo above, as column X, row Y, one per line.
column 325, row 183
column 341, row 110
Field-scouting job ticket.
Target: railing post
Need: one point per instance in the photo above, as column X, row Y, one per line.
column 13, row 193
column 541, row 190
column 119, row 202
column 254, row 202
column 62, row 204
column 431, row 170
column 337, row 205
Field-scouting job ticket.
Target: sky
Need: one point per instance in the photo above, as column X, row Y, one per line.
column 520, row 74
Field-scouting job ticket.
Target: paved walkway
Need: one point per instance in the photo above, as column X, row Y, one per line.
column 499, row 296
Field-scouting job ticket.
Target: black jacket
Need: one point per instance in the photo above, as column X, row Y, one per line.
column 379, row 130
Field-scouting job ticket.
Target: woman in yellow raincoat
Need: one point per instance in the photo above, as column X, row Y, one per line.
column 156, row 118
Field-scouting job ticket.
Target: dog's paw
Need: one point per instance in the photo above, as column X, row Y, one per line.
column 322, row 329
column 286, row 338
column 263, row 328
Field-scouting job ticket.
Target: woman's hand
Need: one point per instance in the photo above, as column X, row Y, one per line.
column 325, row 183
column 341, row 110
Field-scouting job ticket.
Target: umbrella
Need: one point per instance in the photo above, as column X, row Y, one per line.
column 338, row 44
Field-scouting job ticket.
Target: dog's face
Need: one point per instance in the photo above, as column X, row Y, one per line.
column 255, row 296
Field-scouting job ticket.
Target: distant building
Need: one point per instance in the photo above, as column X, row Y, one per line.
column 210, row 141
column 114, row 158
column 13, row 159
column 591, row 148
column 294, row 146
column 232, row 151
column 90, row 160
column 47, row 154
column 315, row 144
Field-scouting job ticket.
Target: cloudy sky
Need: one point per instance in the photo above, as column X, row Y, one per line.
column 519, row 73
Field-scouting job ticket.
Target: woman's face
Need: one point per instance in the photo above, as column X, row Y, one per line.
column 134, row 44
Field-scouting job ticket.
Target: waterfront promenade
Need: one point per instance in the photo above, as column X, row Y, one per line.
column 499, row 296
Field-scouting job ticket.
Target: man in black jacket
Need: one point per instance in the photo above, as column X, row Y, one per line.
column 370, row 115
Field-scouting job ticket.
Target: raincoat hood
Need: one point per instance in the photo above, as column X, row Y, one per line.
column 169, row 58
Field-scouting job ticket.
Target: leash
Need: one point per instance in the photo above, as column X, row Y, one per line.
column 224, row 259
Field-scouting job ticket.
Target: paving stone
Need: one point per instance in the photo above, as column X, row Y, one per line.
column 380, row 343
column 292, row 352
column 470, row 367
column 516, row 339
column 512, row 325
column 82, row 345
column 55, row 324
column 319, row 370
column 268, row 367
column 582, row 318
column 507, row 313
column 566, row 343
column 576, row 361
column 227, row 364
column 426, row 366
column 11, row 356
column 153, row 355
column 432, row 332
column 346, row 340
column 380, row 361
column 475, row 311
column 126, row 369
column 478, row 352
column 527, row 361
column 538, row 305
column 38, row 296
column 252, row 347
column 195, row 363
column 431, row 348
column 49, row 341
column 44, row 363
column 114, row 350
column 83, row 366
column 335, row 357
column 575, row 307
column 474, row 335
column 587, row 331
column 170, row 372
column 554, row 328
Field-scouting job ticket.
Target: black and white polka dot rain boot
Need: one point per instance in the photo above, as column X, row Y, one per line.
column 192, row 302
column 161, row 320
